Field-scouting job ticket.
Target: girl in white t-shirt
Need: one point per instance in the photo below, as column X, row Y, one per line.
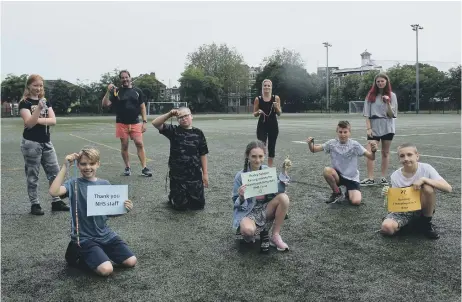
column 422, row 177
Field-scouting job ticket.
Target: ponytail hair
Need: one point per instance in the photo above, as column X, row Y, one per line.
column 246, row 164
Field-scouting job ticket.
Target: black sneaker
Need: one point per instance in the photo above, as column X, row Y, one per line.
column 59, row 206
column 428, row 229
column 127, row 171
column 335, row 197
column 264, row 242
column 384, row 181
column 367, row 182
column 36, row 209
column 146, row 172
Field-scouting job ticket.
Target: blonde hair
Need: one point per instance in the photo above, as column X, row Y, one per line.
column 31, row 79
column 407, row 145
column 263, row 84
column 91, row 153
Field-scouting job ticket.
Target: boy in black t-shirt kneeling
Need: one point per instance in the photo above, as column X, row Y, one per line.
column 188, row 160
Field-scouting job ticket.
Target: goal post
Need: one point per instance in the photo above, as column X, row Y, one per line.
column 163, row 107
column 355, row 107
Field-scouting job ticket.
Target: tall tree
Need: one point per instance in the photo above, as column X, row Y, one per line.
column 62, row 97
column 284, row 56
column 291, row 82
column 200, row 91
column 221, row 62
column 452, row 84
column 149, row 85
column 349, row 92
column 13, row 87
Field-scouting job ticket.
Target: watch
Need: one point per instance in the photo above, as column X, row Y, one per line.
column 145, row 121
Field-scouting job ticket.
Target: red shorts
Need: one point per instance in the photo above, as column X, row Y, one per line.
column 126, row 130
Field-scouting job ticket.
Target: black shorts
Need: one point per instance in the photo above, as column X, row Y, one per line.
column 349, row 184
column 91, row 254
column 186, row 194
column 386, row 137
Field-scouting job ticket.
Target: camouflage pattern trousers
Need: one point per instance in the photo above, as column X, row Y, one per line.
column 36, row 155
column 186, row 194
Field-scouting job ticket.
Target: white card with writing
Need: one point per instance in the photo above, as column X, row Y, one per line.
column 106, row 200
column 260, row 182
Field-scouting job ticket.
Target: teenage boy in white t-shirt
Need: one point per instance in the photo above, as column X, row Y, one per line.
column 344, row 153
column 422, row 177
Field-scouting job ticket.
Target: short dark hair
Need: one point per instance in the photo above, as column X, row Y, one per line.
column 344, row 124
column 124, row 71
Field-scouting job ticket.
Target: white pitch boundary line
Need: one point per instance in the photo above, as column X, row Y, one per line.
column 88, row 140
column 442, row 146
column 420, row 144
column 425, row 155
column 423, row 134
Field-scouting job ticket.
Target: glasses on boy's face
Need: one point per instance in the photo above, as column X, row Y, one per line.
column 183, row 116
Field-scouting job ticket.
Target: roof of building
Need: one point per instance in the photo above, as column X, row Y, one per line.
column 357, row 69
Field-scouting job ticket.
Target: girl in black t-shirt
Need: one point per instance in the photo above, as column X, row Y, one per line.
column 36, row 146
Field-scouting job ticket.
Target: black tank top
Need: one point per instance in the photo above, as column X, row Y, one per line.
column 268, row 109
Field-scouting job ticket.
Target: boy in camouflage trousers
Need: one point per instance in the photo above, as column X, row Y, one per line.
column 188, row 160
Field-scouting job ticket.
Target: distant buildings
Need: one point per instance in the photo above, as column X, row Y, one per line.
column 173, row 94
column 367, row 65
column 241, row 101
column 322, row 71
column 253, row 72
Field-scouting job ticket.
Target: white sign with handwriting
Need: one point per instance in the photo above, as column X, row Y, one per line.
column 106, row 200
column 260, row 182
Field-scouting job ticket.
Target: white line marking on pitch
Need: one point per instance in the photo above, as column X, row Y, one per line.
column 435, row 156
column 147, row 159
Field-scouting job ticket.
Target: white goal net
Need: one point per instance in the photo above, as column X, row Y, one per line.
column 163, row 107
column 356, row 107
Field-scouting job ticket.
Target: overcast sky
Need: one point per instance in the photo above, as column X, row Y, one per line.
column 82, row 40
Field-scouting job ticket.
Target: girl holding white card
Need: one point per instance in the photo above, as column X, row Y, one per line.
column 254, row 216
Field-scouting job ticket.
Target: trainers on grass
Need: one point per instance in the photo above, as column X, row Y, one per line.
column 127, row 171
column 59, row 206
column 335, row 197
column 367, row 182
column 384, row 182
column 36, row 209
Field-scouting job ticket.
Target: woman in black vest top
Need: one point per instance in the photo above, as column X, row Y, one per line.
column 267, row 106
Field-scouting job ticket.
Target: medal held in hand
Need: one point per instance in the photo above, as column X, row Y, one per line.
column 286, row 166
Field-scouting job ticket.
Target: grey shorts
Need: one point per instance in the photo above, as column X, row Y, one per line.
column 404, row 218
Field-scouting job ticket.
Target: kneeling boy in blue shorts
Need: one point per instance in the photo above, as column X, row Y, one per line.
column 93, row 244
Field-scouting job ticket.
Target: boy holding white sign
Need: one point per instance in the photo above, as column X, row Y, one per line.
column 93, row 244
column 421, row 177
column 344, row 153
column 253, row 216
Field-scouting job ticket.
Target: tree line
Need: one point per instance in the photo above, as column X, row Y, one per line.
column 216, row 74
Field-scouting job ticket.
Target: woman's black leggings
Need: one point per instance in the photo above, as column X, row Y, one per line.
column 268, row 131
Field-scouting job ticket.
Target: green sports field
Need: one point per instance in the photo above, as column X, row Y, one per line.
column 336, row 252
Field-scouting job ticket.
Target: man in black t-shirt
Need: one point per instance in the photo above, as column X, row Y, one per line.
column 128, row 102
column 188, row 160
